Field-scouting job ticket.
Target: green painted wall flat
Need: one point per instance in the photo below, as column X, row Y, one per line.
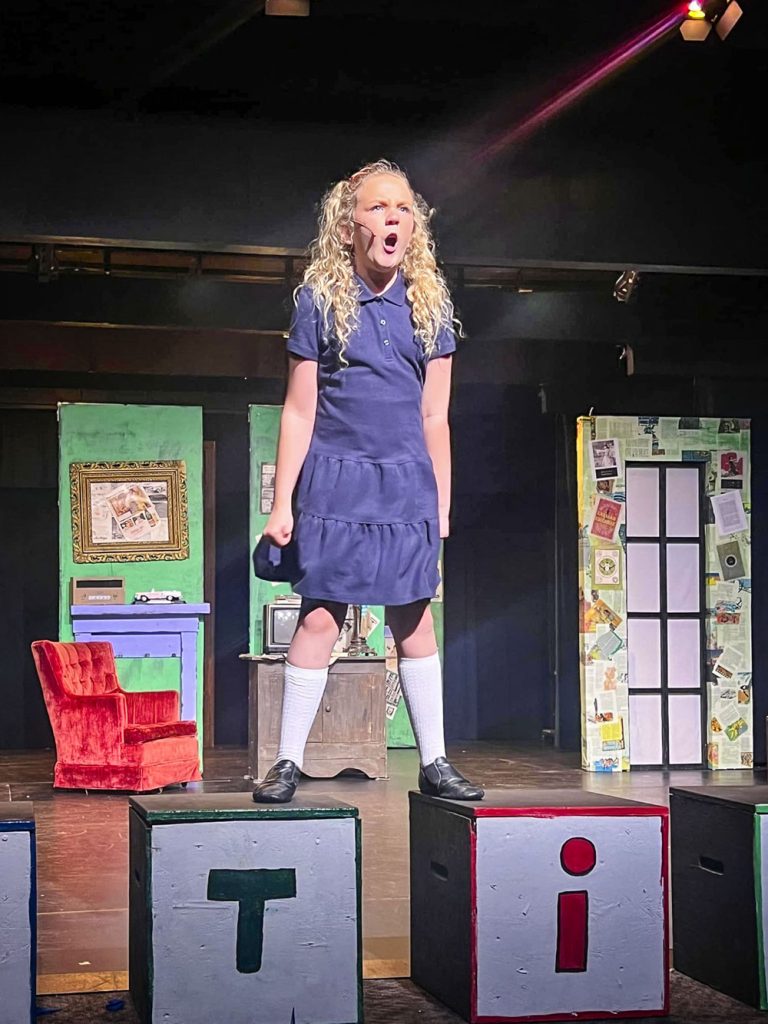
column 117, row 433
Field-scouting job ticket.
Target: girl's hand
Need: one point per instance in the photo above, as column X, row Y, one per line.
column 279, row 526
column 445, row 528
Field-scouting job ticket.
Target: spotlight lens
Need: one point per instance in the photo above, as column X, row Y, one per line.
column 695, row 9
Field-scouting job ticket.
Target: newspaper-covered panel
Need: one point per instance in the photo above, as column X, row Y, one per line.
column 720, row 447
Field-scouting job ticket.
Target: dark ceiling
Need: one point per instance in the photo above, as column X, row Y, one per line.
column 392, row 60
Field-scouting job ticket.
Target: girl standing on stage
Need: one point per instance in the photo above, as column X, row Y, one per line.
column 362, row 487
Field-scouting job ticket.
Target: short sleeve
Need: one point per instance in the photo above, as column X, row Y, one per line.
column 304, row 334
column 445, row 343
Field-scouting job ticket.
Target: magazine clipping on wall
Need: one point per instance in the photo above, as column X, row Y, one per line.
column 131, row 511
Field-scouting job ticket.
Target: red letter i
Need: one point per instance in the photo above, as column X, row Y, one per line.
column 577, row 857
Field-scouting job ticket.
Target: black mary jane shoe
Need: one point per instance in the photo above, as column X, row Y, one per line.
column 279, row 784
column 441, row 779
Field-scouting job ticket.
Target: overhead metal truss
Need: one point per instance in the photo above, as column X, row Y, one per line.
column 52, row 257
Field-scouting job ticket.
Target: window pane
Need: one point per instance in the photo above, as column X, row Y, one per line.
column 683, row 577
column 685, row 729
column 645, row 729
column 644, row 652
column 683, row 652
column 683, row 500
column 642, row 501
column 643, row 578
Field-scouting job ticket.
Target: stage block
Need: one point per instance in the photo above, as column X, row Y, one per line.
column 18, row 911
column 244, row 913
column 720, row 887
column 540, row 905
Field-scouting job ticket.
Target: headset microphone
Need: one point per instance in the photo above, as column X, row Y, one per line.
column 370, row 231
column 364, row 227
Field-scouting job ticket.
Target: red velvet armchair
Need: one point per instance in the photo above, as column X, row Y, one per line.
column 106, row 737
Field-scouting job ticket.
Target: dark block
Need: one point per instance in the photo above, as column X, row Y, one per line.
column 717, row 864
column 441, row 895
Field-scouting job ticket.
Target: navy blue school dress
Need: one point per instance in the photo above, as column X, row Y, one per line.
column 366, row 527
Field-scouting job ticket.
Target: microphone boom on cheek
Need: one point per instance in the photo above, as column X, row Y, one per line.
column 364, row 227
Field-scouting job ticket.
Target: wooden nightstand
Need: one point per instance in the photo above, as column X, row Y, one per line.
column 348, row 732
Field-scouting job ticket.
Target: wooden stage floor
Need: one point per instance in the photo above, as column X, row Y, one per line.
column 82, row 846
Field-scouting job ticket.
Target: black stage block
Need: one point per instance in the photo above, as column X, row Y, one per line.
column 441, row 903
column 539, row 905
column 718, row 865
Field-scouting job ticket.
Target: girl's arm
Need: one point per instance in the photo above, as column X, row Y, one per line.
column 434, row 414
column 296, row 424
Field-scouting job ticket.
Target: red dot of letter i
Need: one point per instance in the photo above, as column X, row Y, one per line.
column 577, row 857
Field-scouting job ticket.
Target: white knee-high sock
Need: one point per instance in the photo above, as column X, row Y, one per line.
column 422, row 683
column 302, row 693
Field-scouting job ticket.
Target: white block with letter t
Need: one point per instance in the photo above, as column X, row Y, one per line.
column 244, row 912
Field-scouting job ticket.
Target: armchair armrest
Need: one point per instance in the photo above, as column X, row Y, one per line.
column 151, row 708
column 90, row 727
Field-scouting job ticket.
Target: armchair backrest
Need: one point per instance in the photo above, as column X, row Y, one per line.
column 75, row 669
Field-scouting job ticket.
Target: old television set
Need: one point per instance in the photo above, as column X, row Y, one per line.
column 280, row 618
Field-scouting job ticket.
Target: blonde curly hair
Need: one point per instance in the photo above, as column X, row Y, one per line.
column 331, row 270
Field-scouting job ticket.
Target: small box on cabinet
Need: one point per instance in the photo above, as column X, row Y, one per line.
column 279, row 625
column 98, row 590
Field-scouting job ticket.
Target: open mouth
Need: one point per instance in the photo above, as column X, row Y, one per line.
column 390, row 243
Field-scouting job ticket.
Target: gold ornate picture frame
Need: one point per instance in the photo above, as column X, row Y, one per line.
column 129, row 511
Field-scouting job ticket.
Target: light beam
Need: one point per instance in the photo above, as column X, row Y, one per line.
column 633, row 48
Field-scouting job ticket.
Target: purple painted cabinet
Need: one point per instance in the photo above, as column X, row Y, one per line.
column 148, row 631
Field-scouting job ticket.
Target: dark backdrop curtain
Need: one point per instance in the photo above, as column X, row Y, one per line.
column 499, row 565
column 566, row 587
column 29, row 546
column 233, row 568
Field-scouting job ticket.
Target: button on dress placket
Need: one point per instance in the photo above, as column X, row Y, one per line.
column 386, row 341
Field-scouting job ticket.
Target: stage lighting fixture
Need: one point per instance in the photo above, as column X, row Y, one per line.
column 728, row 19
column 287, row 8
column 626, row 285
column 696, row 26
column 702, row 15
column 695, row 31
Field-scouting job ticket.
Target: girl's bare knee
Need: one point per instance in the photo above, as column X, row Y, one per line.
column 322, row 620
column 411, row 622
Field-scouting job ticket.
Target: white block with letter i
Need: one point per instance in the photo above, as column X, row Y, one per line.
column 540, row 905
column 18, row 910
column 243, row 912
